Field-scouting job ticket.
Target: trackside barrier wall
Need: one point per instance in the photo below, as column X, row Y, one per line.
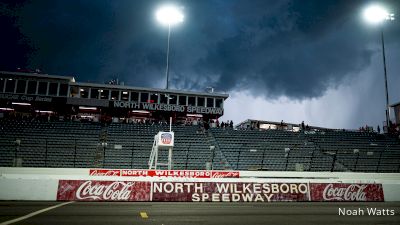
column 51, row 184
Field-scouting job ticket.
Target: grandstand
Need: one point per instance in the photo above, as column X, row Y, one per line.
column 119, row 145
column 53, row 121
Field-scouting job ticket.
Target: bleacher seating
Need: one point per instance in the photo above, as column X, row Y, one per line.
column 48, row 144
column 134, row 143
column 360, row 151
column 120, row 145
column 270, row 150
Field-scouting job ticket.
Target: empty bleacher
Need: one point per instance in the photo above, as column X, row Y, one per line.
column 120, row 145
column 275, row 150
column 360, row 151
column 129, row 146
column 48, row 144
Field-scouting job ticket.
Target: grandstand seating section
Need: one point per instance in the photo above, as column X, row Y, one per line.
column 79, row 144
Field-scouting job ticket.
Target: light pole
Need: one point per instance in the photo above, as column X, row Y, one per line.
column 376, row 15
column 169, row 15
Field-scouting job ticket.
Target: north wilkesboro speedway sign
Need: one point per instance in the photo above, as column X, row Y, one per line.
column 217, row 191
column 167, row 107
column 211, row 188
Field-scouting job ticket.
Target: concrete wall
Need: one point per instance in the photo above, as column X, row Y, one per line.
column 28, row 189
column 42, row 183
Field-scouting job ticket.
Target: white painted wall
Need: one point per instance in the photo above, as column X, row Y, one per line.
column 42, row 183
column 391, row 192
column 28, row 189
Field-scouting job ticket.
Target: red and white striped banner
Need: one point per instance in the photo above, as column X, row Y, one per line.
column 165, row 173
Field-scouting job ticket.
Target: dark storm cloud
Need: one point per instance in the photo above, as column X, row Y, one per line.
column 15, row 47
column 92, row 40
column 298, row 50
column 294, row 48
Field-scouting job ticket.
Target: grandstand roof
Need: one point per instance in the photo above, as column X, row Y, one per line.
column 172, row 91
column 285, row 123
column 395, row 104
column 58, row 77
column 72, row 81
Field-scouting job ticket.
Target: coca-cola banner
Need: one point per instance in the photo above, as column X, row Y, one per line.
column 165, row 173
column 346, row 192
column 229, row 192
column 90, row 190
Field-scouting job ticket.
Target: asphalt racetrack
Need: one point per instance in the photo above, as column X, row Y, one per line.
column 118, row 213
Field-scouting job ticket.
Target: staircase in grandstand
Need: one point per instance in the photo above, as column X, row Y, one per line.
column 218, row 159
column 100, row 151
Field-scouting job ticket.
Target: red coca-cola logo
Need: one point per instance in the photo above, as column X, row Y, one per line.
column 353, row 192
column 116, row 191
column 225, row 174
column 104, row 172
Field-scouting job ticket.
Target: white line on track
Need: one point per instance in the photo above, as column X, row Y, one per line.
column 34, row 213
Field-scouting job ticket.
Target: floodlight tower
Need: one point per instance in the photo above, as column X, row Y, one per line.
column 376, row 15
column 169, row 16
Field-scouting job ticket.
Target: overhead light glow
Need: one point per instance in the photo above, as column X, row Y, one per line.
column 20, row 103
column 376, row 14
column 140, row 111
column 194, row 115
column 87, row 108
column 169, row 15
column 6, row 109
column 44, row 111
column 87, row 116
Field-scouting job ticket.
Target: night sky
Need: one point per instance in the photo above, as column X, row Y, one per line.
column 291, row 60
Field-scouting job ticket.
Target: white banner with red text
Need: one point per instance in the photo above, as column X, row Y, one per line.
column 164, row 173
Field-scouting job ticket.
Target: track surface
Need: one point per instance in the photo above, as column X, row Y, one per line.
column 96, row 213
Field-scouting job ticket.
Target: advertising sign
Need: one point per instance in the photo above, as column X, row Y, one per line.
column 229, row 192
column 165, row 173
column 91, row 190
column 104, row 172
column 346, row 192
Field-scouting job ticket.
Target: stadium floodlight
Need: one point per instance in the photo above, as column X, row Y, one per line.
column 376, row 14
column 169, row 15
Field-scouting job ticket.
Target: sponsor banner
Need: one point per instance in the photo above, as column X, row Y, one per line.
column 91, row 190
column 346, row 192
column 225, row 174
column 165, row 173
column 102, row 172
column 229, row 192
